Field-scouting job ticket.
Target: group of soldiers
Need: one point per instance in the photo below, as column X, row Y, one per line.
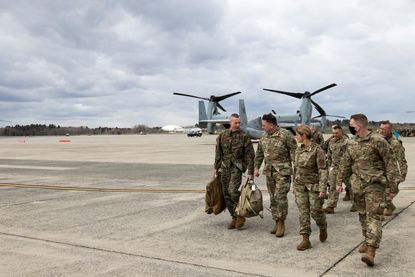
column 370, row 164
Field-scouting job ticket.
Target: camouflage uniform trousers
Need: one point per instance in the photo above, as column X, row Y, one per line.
column 333, row 194
column 388, row 199
column 278, row 188
column 369, row 201
column 231, row 179
column 348, row 187
column 308, row 203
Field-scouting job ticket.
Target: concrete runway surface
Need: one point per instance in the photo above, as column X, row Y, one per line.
column 134, row 206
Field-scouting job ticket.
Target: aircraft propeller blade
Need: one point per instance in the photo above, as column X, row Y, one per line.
column 292, row 94
column 273, row 112
column 188, row 95
column 220, row 98
column 323, row 88
column 318, row 108
column 329, row 115
column 338, row 116
column 220, row 107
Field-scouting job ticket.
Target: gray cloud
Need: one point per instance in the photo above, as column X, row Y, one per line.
column 116, row 63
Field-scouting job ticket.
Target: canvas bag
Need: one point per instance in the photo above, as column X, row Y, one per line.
column 214, row 199
column 250, row 200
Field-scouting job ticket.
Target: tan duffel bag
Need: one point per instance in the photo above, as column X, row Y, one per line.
column 214, row 200
column 250, row 200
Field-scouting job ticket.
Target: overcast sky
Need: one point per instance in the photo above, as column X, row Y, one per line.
column 117, row 63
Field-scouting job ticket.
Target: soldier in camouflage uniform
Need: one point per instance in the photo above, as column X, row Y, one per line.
column 276, row 148
column 349, row 193
column 370, row 161
column 385, row 129
column 310, row 181
column 317, row 137
column 234, row 155
column 336, row 146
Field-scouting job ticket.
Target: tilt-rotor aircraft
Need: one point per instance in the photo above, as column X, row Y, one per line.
column 208, row 118
column 304, row 113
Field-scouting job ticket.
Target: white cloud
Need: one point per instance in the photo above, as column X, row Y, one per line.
column 106, row 63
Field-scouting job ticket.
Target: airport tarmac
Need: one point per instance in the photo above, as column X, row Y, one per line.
column 134, row 206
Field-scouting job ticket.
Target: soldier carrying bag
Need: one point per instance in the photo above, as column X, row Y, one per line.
column 214, row 200
column 250, row 201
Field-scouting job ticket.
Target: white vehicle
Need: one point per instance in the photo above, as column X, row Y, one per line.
column 194, row 132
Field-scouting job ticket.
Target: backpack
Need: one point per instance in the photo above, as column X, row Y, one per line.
column 214, row 199
column 250, row 200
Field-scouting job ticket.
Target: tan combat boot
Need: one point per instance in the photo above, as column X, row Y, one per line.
column 274, row 230
column 240, row 221
column 369, row 256
column 363, row 248
column 280, row 229
column 305, row 244
column 347, row 196
column 323, row 235
column 232, row 224
column 328, row 210
column 389, row 209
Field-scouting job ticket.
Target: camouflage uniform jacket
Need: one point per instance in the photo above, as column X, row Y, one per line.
column 234, row 148
column 310, row 168
column 318, row 138
column 277, row 150
column 370, row 159
column 335, row 150
column 399, row 151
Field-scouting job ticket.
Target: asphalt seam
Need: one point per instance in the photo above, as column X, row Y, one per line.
column 130, row 254
column 353, row 249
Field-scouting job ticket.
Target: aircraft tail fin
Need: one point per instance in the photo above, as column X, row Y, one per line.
column 323, row 123
column 242, row 113
column 202, row 114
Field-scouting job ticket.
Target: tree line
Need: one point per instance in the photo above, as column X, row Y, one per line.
column 56, row 130
column 407, row 129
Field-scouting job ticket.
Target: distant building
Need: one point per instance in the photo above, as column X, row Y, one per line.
column 173, row 129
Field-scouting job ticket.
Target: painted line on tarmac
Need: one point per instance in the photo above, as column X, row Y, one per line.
column 97, row 189
column 59, row 168
column 354, row 249
column 130, row 254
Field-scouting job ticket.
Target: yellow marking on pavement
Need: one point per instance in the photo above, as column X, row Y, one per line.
column 35, row 167
column 100, row 189
column 97, row 189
